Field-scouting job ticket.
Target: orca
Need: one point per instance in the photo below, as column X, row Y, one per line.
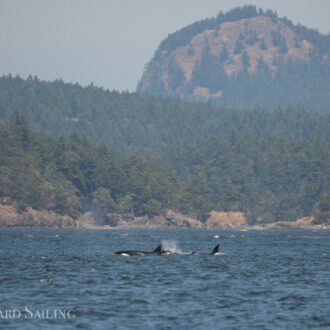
column 216, row 252
column 158, row 251
column 139, row 253
column 216, row 249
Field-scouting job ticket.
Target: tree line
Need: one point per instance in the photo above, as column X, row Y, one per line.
column 269, row 178
column 145, row 125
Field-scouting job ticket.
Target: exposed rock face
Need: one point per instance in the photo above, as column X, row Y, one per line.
column 10, row 218
column 216, row 220
column 231, row 47
column 229, row 33
column 226, row 220
column 302, row 223
column 170, row 220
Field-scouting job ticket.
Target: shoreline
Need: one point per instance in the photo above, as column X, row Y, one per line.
column 107, row 227
column 10, row 218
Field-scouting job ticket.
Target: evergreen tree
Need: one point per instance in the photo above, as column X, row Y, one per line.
column 224, row 54
column 238, row 47
column 263, row 45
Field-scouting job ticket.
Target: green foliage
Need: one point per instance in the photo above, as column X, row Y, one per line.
column 271, row 178
column 295, row 83
column 238, row 47
column 74, row 176
column 276, row 37
column 252, row 38
column 270, row 164
column 224, row 55
column 133, row 123
column 321, row 209
column 175, row 75
column 209, row 72
column 183, row 36
column 283, row 46
column 245, row 60
column 263, row 45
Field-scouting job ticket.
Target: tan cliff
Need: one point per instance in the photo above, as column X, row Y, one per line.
column 30, row 218
column 224, row 37
column 228, row 33
column 216, row 220
column 10, row 217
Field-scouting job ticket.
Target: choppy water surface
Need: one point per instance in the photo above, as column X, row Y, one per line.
column 275, row 279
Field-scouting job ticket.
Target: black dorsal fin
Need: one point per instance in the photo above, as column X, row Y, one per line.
column 158, row 248
column 216, row 249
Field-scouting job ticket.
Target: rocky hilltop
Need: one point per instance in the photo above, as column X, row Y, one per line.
column 245, row 48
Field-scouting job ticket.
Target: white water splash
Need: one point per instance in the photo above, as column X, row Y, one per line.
column 44, row 280
column 171, row 245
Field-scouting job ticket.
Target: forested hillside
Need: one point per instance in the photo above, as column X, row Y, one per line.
column 270, row 164
column 133, row 123
column 243, row 58
column 75, row 175
column 269, row 178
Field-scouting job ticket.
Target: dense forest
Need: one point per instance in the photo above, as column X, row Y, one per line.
column 74, row 175
column 149, row 126
column 270, row 178
column 283, row 80
column 70, row 149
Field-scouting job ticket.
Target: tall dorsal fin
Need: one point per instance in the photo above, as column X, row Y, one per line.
column 158, row 248
column 216, row 249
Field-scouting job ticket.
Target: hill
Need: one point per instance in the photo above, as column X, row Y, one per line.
column 269, row 179
column 149, row 126
column 268, row 164
column 243, row 58
column 74, row 176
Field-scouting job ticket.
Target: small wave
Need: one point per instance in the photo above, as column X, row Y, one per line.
column 216, row 236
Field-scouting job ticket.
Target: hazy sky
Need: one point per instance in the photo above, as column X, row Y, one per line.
column 108, row 42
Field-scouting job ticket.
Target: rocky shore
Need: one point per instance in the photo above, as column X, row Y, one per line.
column 30, row 218
column 216, row 220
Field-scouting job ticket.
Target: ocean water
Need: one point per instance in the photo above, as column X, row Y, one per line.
column 66, row 279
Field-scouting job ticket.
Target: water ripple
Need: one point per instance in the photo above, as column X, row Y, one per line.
column 276, row 279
